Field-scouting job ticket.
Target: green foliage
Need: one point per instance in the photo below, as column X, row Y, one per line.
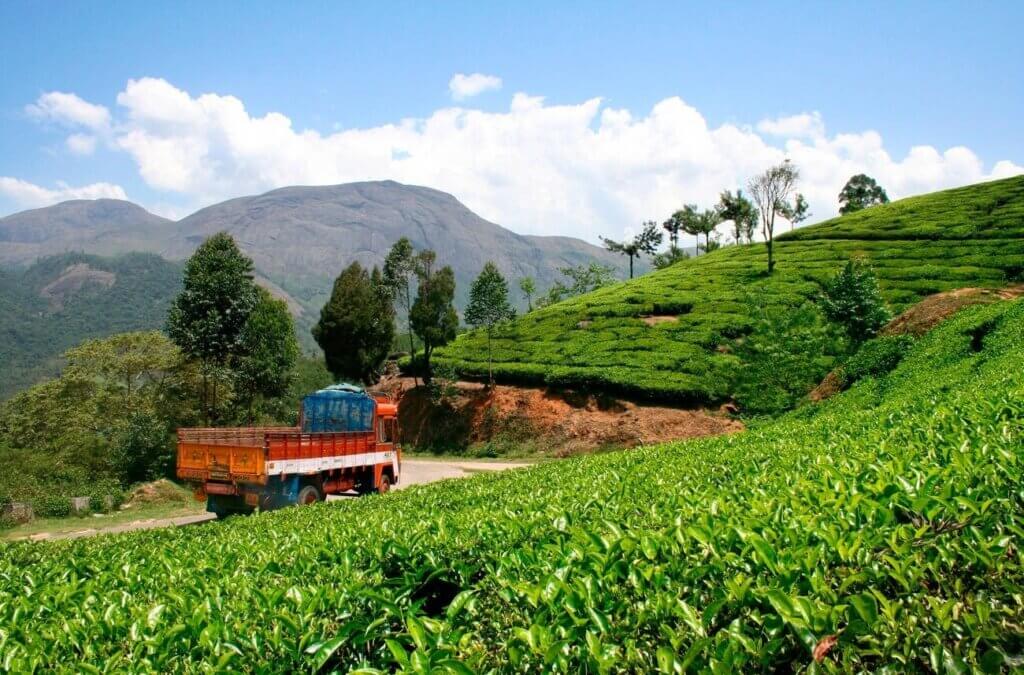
column 433, row 315
column 646, row 242
column 669, row 257
column 742, row 212
column 206, row 320
column 268, row 352
column 786, row 354
column 582, row 279
column 528, row 287
column 106, row 420
column 860, row 192
column 143, row 450
column 853, row 300
column 399, row 268
column 488, row 305
column 46, row 312
column 972, row 236
column 875, row 532
column 357, row 325
column 795, row 213
column 875, row 358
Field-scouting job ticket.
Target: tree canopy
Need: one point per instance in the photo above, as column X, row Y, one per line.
column 357, row 325
column 647, row 241
column 434, row 319
column 488, row 305
column 860, row 192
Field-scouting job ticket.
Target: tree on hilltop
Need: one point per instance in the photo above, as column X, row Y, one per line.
column 646, row 242
column 488, row 306
column 528, row 287
column 770, row 190
column 860, row 192
column 795, row 213
column 741, row 211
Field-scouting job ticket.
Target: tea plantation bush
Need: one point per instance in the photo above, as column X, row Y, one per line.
column 883, row 529
column 970, row 236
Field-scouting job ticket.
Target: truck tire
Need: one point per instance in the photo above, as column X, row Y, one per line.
column 385, row 484
column 308, row 494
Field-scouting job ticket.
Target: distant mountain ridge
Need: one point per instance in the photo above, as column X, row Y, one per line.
column 300, row 238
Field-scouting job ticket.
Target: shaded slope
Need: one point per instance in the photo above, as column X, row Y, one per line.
column 971, row 236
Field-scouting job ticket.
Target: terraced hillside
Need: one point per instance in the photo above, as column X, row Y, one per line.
column 667, row 334
column 880, row 531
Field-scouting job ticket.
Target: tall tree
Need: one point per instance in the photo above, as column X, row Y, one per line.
column 269, row 352
column 488, row 306
column 795, row 213
column 207, row 318
column 528, row 287
column 860, row 192
column 770, row 190
column 357, row 325
column 399, row 271
column 705, row 223
column 433, row 314
column 646, row 242
column 741, row 211
column 688, row 220
column 674, row 225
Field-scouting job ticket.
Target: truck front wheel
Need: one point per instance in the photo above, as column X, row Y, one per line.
column 308, row 495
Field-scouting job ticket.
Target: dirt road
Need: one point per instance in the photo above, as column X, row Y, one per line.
column 414, row 472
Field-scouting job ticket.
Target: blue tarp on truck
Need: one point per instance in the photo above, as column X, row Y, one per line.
column 341, row 407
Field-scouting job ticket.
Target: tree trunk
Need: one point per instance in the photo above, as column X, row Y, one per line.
column 630, row 267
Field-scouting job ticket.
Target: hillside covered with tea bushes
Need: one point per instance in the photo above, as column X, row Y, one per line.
column 670, row 334
column 881, row 529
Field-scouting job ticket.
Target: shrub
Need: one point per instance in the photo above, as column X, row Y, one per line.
column 853, row 300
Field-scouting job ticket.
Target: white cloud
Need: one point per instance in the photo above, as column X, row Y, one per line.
column 804, row 125
column 27, row 195
column 465, row 86
column 81, row 144
column 583, row 169
column 69, row 110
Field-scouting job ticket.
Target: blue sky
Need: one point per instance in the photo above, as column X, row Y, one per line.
column 942, row 75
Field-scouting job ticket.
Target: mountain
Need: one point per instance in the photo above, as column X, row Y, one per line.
column 102, row 226
column 301, row 237
column 59, row 301
column 670, row 334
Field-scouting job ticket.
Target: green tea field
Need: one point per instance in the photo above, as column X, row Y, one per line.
column 879, row 530
column 667, row 334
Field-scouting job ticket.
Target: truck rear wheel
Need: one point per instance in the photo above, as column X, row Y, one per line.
column 385, row 484
column 308, row 495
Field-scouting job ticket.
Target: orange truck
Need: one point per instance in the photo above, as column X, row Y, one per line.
column 346, row 440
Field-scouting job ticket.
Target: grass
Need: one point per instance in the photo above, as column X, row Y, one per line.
column 971, row 236
column 103, row 521
column 881, row 530
column 160, row 499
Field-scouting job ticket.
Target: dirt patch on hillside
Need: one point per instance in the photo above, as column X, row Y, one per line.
column 933, row 310
column 546, row 422
column 73, row 279
column 921, row 318
column 655, row 320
